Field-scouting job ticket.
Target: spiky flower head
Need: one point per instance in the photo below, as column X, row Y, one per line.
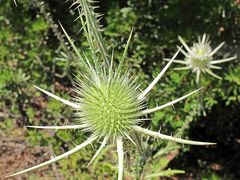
column 108, row 101
column 108, row 105
column 199, row 57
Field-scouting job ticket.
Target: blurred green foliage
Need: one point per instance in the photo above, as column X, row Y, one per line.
column 33, row 51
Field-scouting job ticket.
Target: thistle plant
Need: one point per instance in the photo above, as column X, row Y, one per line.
column 199, row 57
column 108, row 102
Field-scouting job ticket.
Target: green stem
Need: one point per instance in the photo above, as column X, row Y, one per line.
column 143, row 157
column 201, row 109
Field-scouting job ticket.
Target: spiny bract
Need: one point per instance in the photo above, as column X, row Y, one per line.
column 199, row 57
column 108, row 100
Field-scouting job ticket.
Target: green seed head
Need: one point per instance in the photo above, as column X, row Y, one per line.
column 109, row 105
column 200, row 56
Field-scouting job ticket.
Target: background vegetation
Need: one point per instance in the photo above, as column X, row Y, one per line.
column 33, row 51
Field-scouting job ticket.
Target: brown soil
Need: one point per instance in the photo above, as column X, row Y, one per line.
column 15, row 155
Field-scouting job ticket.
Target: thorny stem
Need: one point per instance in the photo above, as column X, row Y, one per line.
column 143, row 156
column 201, row 109
column 120, row 157
column 44, row 10
column 48, row 18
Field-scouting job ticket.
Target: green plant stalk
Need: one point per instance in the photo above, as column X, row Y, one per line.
column 200, row 96
column 143, row 156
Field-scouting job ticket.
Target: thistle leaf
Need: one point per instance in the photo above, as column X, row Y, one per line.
column 57, row 158
column 58, row 127
column 223, row 60
column 170, row 138
column 69, row 103
column 147, row 111
column 148, row 89
column 125, row 51
column 99, row 150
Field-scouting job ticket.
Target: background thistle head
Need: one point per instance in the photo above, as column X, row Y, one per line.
column 200, row 57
